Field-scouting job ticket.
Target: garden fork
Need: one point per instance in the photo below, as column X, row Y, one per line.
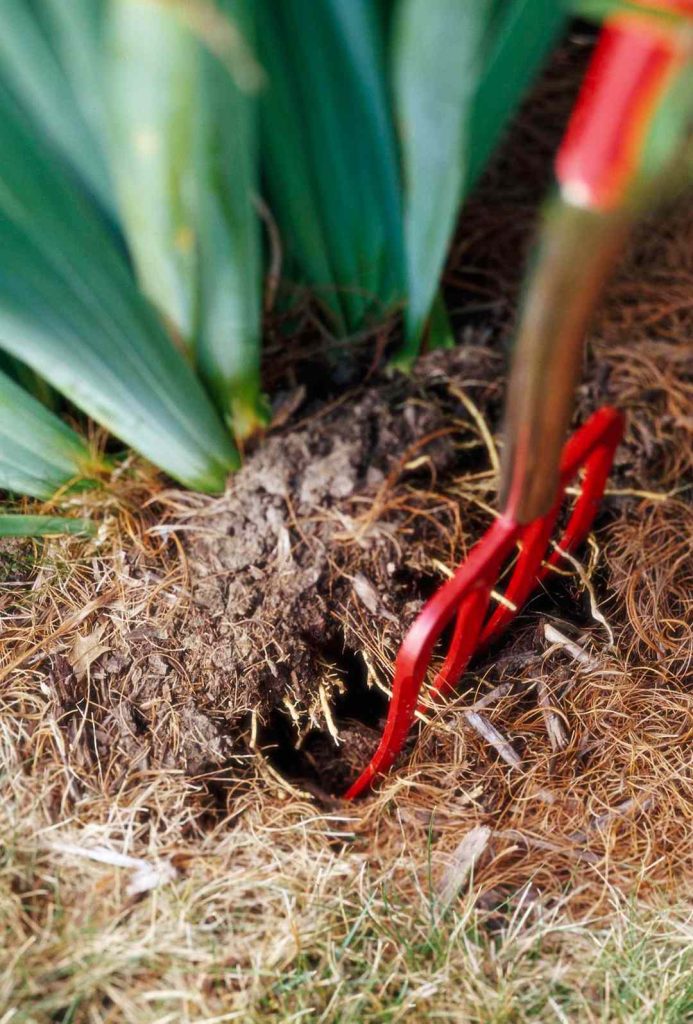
column 599, row 167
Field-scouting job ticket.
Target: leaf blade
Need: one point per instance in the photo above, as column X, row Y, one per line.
column 39, row 454
column 151, row 67
column 31, row 67
column 437, row 51
column 228, row 335
column 70, row 309
column 16, row 525
column 329, row 151
column 523, row 33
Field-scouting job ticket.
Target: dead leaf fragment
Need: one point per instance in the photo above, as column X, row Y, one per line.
column 85, row 650
column 145, row 875
column 366, row 592
column 462, row 861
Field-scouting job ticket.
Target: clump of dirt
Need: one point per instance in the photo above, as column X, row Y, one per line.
column 328, row 536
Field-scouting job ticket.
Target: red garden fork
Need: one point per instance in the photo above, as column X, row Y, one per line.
column 598, row 168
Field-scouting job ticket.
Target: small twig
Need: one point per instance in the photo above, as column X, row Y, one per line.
column 629, row 806
column 491, row 697
column 66, row 625
column 146, row 874
column 514, row 835
column 489, row 732
column 630, row 492
column 554, row 726
column 594, row 607
column 502, row 599
column 481, row 426
column 275, row 249
column 327, row 712
column 555, row 637
column 621, row 811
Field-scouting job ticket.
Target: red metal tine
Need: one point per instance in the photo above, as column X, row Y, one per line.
column 469, row 637
column 470, row 619
column 467, row 594
column 534, row 542
column 591, row 448
column 476, row 574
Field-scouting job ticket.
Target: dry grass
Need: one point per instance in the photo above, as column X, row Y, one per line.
column 530, row 862
column 275, row 920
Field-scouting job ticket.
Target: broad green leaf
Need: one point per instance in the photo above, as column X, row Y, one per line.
column 440, row 333
column 521, row 37
column 70, row 309
column 151, row 68
column 43, row 526
column 182, row 99
column 31, row 67
column 460, row 70
column 29, row 380
column 39, row 454
column 76, row 29
column 329, row 152
column 437, row 56
column 228, row 339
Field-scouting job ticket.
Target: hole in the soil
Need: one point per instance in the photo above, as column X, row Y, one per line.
column 360, row 710
column 360, row 701
column 139, row 720
column 319, row 764
column 277, row 740
column 408, row 585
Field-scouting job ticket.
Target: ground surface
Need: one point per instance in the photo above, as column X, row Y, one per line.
column 184, row 700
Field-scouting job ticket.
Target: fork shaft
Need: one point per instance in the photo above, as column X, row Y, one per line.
column 605, row 172
column 576, row 252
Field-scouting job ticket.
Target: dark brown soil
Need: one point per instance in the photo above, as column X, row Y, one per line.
column 324, row 542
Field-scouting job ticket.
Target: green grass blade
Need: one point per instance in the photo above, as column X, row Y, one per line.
column 329, row 152
column 152, row 64
column 44, row 526
column 522, row 35
column 39, row 453
column 437, row 55
column 69, row 308
column 31, row 67
column 228, row 231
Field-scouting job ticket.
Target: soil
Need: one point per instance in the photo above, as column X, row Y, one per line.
column 323, row 545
